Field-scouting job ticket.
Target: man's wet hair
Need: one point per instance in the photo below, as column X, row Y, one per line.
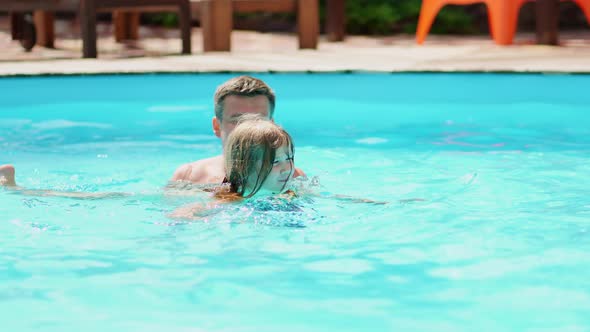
column 244, row 86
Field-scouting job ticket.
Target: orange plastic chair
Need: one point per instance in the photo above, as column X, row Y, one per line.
column 585, row 6
column 502, row 16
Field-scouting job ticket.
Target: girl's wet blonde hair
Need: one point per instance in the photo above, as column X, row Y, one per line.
column 254, row 139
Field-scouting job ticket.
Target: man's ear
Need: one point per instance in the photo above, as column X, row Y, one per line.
column 216, row 127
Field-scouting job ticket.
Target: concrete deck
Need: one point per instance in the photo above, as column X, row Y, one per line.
column 263, row 52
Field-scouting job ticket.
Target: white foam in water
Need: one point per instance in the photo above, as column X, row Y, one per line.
column 372, row 140
column 64, row 124
column 11, row 123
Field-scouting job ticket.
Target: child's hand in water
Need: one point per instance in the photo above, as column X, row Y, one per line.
column 199, row 210
column 186, row 212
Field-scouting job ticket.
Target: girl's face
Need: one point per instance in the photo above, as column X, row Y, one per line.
column 281, row 173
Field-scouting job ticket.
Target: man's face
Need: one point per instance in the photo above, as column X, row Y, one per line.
column 234, row 108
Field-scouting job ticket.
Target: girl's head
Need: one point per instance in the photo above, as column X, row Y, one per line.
column 258, row 156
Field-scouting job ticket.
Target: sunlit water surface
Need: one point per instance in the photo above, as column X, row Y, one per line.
column 486, row 227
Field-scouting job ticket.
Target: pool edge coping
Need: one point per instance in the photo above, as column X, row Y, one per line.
column 311, row 72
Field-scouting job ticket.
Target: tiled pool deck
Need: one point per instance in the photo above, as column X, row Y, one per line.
column 262, row 52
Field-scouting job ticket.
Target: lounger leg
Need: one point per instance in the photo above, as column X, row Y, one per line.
column 308, row 23
column 88, row 23
column 119, row 25
column 184, row 17
column 133, row 25
column 28, row 32
column 16, row 25
column 547, row 21
column 217, row 24
column 335, row 20
column 45, row 21
column 126, row 25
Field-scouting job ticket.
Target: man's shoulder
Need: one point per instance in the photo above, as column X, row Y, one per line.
column 207, row 162
column 200, row 171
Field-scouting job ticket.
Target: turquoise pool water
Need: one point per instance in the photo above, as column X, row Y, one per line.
column 500, row 242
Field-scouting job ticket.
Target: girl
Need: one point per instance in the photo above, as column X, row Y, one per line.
column 259, row 160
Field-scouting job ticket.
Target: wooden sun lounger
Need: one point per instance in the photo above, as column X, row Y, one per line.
column 307, row 12
column 87, row 10
column 216, row 17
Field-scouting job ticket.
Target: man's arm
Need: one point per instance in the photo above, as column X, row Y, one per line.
column 204, row 171
column 195, row 172
column 69, row 194
column 182, row 173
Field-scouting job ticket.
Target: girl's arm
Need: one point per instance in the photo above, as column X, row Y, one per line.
column 366, row 200
column 201, row 210
column 188, row 212
column 67, row 194
column 351, row 199
column 310, row 188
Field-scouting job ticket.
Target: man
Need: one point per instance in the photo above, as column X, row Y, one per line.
column 234, row 98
